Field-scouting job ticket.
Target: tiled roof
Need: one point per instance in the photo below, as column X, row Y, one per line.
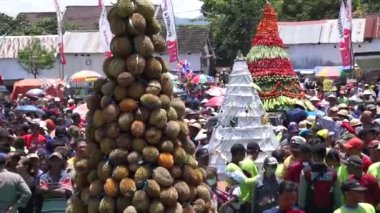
column 191, row 38
column 84, row 17
column 10, row 45
column 37, row 16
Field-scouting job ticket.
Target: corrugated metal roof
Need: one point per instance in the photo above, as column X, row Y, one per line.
column 82, row 42
column 317, row 32
column 10, row 45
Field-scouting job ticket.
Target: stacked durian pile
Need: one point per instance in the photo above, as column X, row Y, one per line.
column 139, row 156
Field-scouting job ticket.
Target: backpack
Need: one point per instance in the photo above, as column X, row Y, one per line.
column 320, row 187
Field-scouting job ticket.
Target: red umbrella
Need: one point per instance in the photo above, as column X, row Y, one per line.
column 215, row 101
column 216, row 91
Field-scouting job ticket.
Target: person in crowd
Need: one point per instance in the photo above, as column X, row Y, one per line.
column 233, row 169
column 333, row 159
column 287, row 199
column 374, row 169
column 319, row 186
column 303, row 160
column 55, row 183
column 266, row 187
column 280, row 157
column 253, row 151
column 367, row 135
column 374, row 152
column 25, row 170
column 353, row 198
column 35, row 140
column 77, row 121
column 295, row 142
column 355, row 169
column 15, row 193
column 355, row 146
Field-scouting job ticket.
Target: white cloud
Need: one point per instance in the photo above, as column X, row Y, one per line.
column 182, row 8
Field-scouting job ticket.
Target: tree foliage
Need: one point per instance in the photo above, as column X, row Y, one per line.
column 35, row 57
column 20, row 25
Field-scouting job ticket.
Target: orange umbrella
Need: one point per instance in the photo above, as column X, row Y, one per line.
column 85, row 76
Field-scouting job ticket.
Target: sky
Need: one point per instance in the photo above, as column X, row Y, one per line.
column 182, row 8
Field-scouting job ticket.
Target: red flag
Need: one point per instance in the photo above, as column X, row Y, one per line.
column 171, row 35
column 345, row 27
column 60, row 35
column 105, row 30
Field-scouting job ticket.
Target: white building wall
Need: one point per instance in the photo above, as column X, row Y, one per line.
column 307, row 56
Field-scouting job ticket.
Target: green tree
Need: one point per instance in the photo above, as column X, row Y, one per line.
column 303, row 10
column 35, row 57
column 6, row 24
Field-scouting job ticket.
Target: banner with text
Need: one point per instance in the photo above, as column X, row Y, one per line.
column 105, row 30
column 171, row 35
column 345, row 27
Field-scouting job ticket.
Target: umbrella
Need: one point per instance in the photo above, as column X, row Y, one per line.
column 81, row 110
column 29, row 109
column 85, row 76
column 216, row 91
column 215, row 101
column 202, row 79
column 36, row 92
column 328, row 72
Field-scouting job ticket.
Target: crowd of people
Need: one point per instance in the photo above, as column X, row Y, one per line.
column 328, row 159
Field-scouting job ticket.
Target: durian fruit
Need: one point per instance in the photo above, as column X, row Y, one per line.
column 138, row 128
column 122, row 204
column 184, row 129
column 164, row 64
column 76, row 205
column 188, row 175
column 154, row 87
column 117, row 24
column 203, row 193
column 153, row 27
column 125, row 79
column 120, row 93
column 85, row 195
column 127, row 187
column 116, row 66
column 165, row 102
column 98, row 120
column 96, row 157
column 176, row 209
column 189, row 146
column 92, row 175
column 105, row 101
column 93, row 102
column 106, row 70
column 93, row 206
column 90, row 131
column 125, row 121
column 123, row 141
column 95, row 188
column 167, row 84
column 142, row 173
column 169, row 196
column 111, row 113
column 166, row 160
column 179, row 156
column 153, row 189
column 138, row 144
column 111, row 188
column 153, row 68
column 198, row 177
column 80, row 179
column 112, row 130
column 158, row 118
column 172, row 114
column 191, row 161
column 130, row 209
column 183, row 191
column 172, row 129
column 143, row 45
column 167, row 146
column 136, row 24
column 153, row 135
column 118, row 156
column 107, row 205
column 125, row 8
column 140, row 201
column 107, row 145
column 179, row 106
column 136, row 64
column 121, row 46
column 150, row 154
column 136, row 90
column 150, row 101
column 128, row 105
column 199, row 205
column 145, row 8
column 104, row 171
column 82, row 165
column 133, row 157
column 159, row 43
column 156, row 207
column 142, row 114
column 101, row 81
column 162, row 176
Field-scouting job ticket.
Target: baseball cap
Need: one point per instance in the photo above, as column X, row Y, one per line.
column 371, row 107
column 353, row 161
column 373, row 144
column 324, row 133
column 297, row 140
column 32, row 155
column 253, row 147
column 352, row 185
column 354, row 143
column 56, row 154
column 237, row 148
column 270, row 161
